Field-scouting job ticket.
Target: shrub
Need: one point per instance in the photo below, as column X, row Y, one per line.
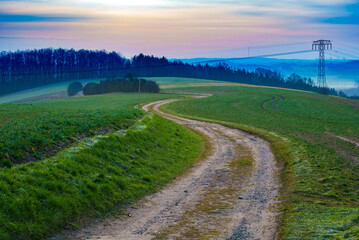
column 90, row 89
column 122, row 85
column 74, row 88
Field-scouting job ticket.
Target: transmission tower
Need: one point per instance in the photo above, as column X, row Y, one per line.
column 321, row 45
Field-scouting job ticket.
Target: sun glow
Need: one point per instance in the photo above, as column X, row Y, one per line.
column 124, row 3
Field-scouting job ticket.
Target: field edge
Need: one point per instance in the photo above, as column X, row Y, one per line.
column 104, row 184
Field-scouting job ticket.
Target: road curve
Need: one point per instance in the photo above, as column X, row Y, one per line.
column 222, row 196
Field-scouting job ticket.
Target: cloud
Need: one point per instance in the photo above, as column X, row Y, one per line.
column 350, row 16
column 177, row 26
column 6, row 17
column 32, row 38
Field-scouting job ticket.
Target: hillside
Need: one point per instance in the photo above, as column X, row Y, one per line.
column 74, row 159
column 315, row 137
column 59, row 90
column 65, row 162
column 341, row 74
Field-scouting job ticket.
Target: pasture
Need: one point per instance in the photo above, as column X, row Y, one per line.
column 67, row 161
column 314, row 137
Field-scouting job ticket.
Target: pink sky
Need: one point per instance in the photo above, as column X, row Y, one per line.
column 178, row 29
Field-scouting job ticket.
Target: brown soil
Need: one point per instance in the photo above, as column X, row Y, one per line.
column 230, row 194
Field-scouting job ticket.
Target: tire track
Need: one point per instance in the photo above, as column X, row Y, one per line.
column 274, row 105
column 276, row 99
column 264, row 103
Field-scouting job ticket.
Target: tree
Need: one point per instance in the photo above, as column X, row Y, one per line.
column 74, row 88
column 323, row 90
column 342, row 94
column 27, row 69
column 90, row 89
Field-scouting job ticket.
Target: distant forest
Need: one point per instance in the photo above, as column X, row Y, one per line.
column 32, row 68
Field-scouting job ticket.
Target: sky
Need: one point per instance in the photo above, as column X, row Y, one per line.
column 181, row 28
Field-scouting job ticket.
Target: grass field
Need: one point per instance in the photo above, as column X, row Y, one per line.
column 169, row 82
column 97, row 174
column 59, row 90
column 34, row 131
column 38, row 92
column 315, row 137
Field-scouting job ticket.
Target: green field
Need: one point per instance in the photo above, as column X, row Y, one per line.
column 116, row 155
column 57, row 169
column 169, row 82
column 34, row 131
column 43, row 91
column 314, row 137
column 59, row 90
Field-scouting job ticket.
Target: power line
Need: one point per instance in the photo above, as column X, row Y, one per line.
column 193, row 63
column 345, row 53
column 333, row 53
column 279, row 45
column 344, row 44
column 148, row 67
column 258, row 56
column 217, row 50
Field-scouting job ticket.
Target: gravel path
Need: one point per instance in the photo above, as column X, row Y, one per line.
column 223, row 196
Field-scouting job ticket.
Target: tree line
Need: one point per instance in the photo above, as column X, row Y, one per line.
column 121, row 85
column 32, row 68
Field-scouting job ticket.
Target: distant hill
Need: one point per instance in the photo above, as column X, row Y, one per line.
column 28, row 69
column 341, row 74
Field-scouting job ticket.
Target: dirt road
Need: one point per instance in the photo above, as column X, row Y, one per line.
column 230, row 194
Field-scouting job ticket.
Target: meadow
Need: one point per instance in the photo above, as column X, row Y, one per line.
column 57, row 171
column 315, row 138
column 170, row 82
column 34, row 131
column 105, row 154
column 59, row 89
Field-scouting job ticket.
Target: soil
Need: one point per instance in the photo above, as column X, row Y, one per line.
column 229, row 194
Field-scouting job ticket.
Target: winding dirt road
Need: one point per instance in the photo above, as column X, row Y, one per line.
column 230, row 194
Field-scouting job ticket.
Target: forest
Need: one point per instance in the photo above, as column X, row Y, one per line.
column 22, row 70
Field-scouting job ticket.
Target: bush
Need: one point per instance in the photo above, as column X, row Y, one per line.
column 74, row 88
column 323, row 90
column 121, row 85
column 90, row 89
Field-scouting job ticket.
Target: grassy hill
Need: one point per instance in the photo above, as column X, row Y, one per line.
column 57, row 167
column 56, row 90
column 59, row 90
column 316, row 138
column 68, row 160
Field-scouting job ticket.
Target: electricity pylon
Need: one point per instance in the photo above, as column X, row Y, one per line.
column 321, row 45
